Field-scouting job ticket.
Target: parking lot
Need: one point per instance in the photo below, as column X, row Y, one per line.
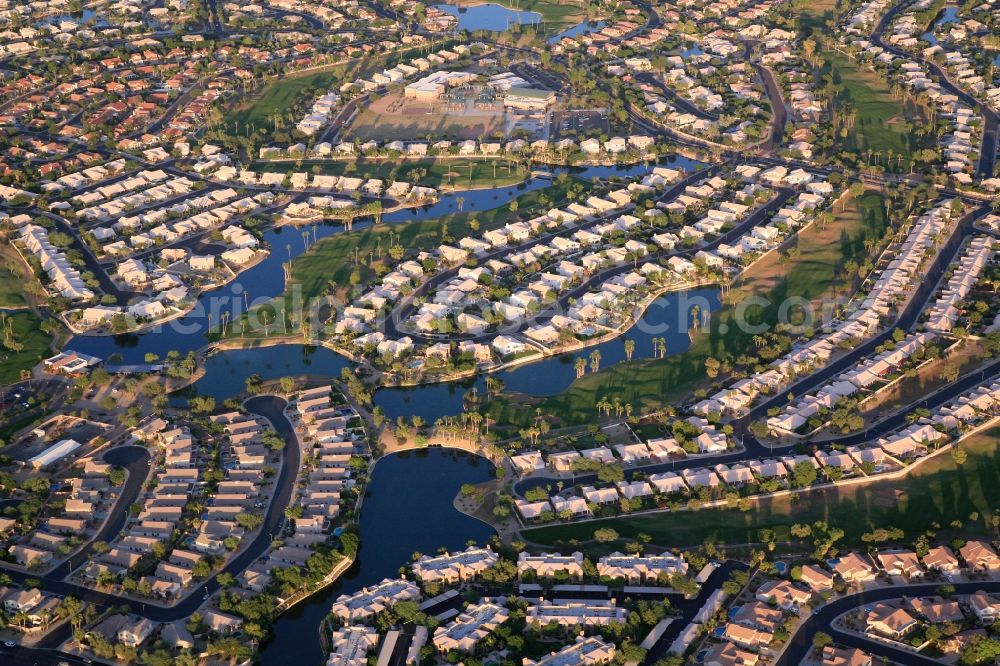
column 574, row 124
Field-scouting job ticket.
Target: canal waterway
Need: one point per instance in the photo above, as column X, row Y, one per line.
column 667, row 317
column 266, row 280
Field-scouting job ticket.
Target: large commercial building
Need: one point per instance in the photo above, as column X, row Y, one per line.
column 529, row 99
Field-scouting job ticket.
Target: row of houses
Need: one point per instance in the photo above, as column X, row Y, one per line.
column 963, row 72
column 325, row 482
column 470, row 147
column 889, row 287
column 403, row 71
column 170, row 224
column 872, row 371
column 636, row 454
column 65, row 279
column 585, row 501
column 897, row 620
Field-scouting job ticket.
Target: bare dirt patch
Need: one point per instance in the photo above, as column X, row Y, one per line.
column 393, row 117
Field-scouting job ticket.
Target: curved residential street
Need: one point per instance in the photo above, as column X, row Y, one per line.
column 269, row 407
column 991, row 120
column 800, row 645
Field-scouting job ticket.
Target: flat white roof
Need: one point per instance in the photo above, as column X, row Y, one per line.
column 55, row 452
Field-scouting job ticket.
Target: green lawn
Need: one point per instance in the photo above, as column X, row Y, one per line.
column 881, row 122
column 25, row 327
column 937, row 492
column 813, row 272
column 283, row 94
column 11, row 284
column 459, row 173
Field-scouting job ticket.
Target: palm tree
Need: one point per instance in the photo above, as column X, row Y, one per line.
column 581, row 366
column 595, row 360
column 629, row 349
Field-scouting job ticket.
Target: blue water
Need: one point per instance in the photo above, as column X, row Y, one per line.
column 582, row 28
column 266, row 280
column 949, row 15
column 258, row 284
column 668, row 317
column 488, row 199
column 83, row 20
column 490, row 16
column 408, row 508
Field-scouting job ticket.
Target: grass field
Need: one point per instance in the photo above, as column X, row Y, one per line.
column 283, row 94
column 814, row 273
column 457, row 173
column 36, row 345
column 882, row 123
column 12, row 281
column 937, row 492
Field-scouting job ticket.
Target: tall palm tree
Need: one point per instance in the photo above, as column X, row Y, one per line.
column 595, row 360
column 629, row 349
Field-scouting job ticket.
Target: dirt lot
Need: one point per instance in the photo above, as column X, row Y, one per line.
column 393, row 117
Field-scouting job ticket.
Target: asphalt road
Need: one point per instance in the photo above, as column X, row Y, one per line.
column 753, row 448
column 991, row 120
column 270, row 407
column 800, row 645
column 779, row 113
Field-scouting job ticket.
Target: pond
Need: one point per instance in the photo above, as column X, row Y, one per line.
column 490, row 16
column 582, row 28
column 408, row 508
column 667, row 317
column 949, row 15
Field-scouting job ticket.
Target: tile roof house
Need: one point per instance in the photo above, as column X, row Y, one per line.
column 980, row 556
column 890, row 621
column 817, row 578
column 941, row 558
